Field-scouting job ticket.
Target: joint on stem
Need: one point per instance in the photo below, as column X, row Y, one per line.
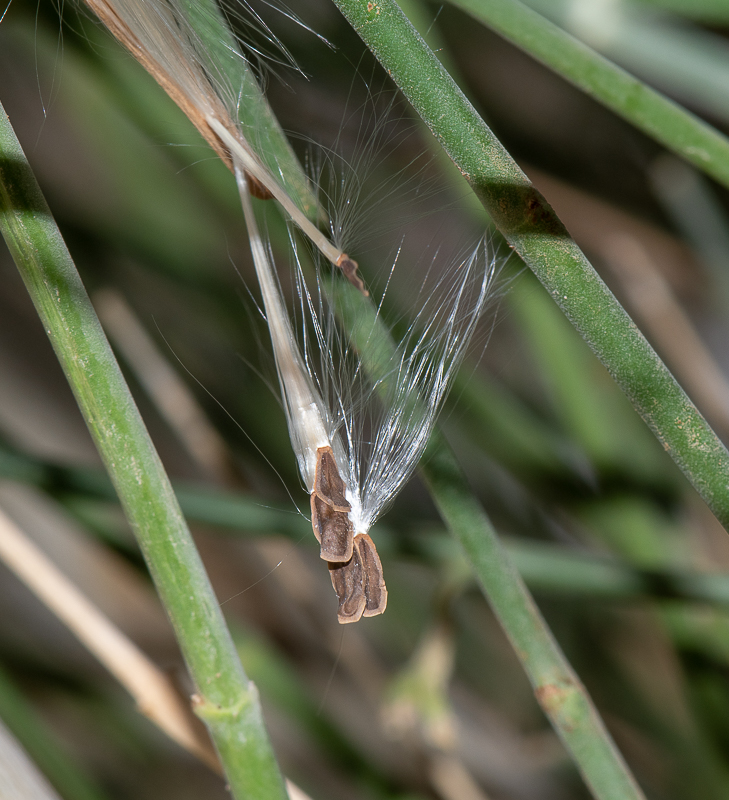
column 349, row 267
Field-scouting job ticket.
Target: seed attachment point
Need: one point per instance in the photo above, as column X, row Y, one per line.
column 257, row 189
column 349, row 267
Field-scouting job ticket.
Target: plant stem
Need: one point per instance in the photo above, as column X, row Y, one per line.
column 258, row 120
column 227, row 701
column 536, row 233
column 556, row 686
column 649, row 110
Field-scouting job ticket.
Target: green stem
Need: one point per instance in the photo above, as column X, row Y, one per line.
column 535, row 232
column 228, row 701
column 649, row 110
column 556, row 686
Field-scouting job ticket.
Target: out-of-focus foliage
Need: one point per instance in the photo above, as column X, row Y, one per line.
column 630, row 569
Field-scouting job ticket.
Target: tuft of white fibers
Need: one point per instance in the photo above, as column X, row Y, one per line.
column 360, row 401
column 361, row 405
column 382, row 395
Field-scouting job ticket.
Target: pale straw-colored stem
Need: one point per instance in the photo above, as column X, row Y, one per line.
column 306, row 418
column 253, row 166
column 148, row 685
column 176, row 403
column 152, row 690
column 193, row 89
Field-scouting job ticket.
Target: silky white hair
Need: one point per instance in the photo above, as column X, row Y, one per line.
column 346, row 382
column 189, row 48
column 382, row 396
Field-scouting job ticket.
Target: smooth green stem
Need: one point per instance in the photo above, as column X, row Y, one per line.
column 228, row 701
column 649, row 110
column 533, row 229
column 556, row 686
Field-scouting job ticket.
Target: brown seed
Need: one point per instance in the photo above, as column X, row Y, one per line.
column 375, row 589
column 348, row 582
column 257, row 189
column 359, row 583
column 333, row 529
column 328, row 485
column 330, row 509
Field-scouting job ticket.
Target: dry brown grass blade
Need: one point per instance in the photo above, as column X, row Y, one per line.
column 152, row 690
column 669, row 327
column 174, row 400
column 106, row 12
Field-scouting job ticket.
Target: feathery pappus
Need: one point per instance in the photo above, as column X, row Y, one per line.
column 358, row 425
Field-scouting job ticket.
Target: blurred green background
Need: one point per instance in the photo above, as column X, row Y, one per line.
column 627, row 564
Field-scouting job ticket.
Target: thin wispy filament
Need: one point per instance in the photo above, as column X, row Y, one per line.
column 179, row 43
column 360, row 407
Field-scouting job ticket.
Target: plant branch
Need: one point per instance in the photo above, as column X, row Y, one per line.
column 228, row 702
column 632, row 99
column 535, row 232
